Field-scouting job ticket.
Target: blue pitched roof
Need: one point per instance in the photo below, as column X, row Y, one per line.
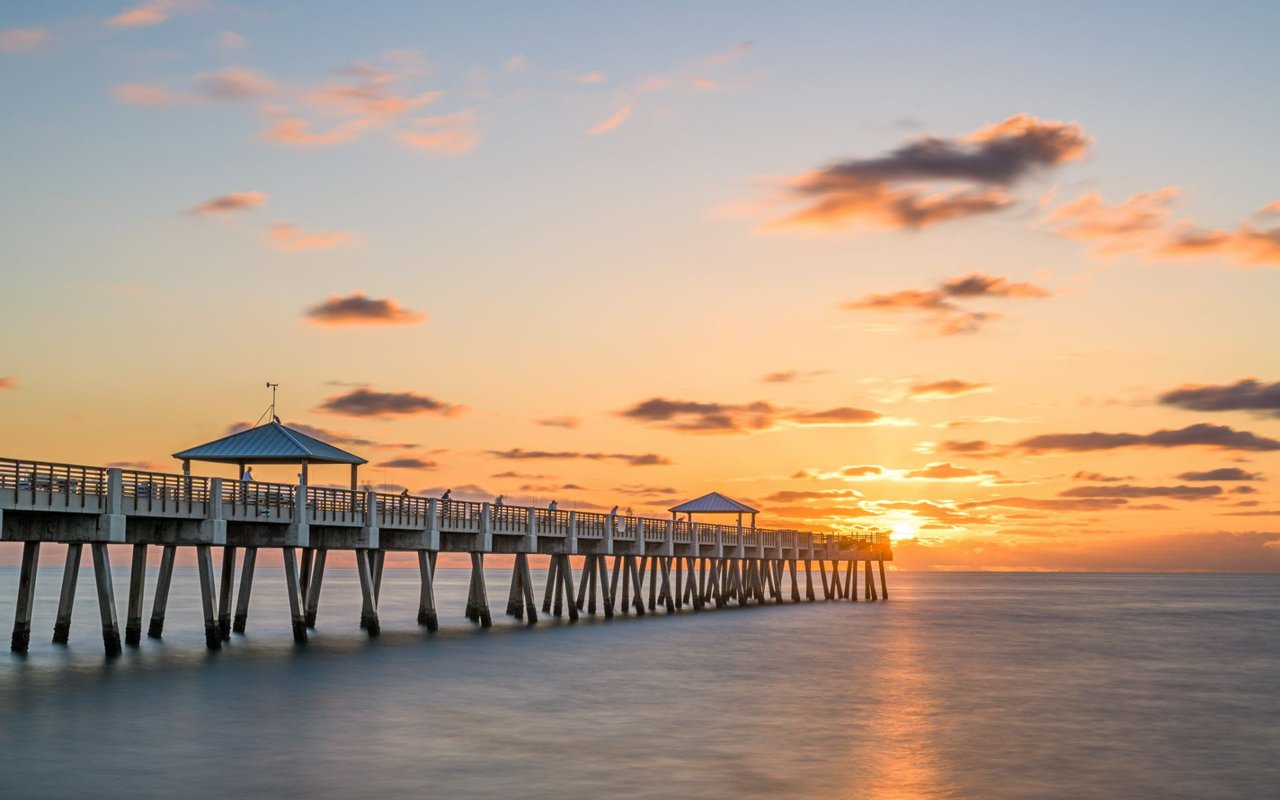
column 713, row 503
column 272, row 443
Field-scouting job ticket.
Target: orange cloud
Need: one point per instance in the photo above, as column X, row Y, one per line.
column 149, row 13
column 688, row 416
column 297, row 132
column 140, row 94
column 938, row 306
column 366, row 402
column 16, row 40
column 235, row 83
column 894, row 191
column 360, row 309
column 446, row 135
column 236, row 201
column 1141, row 224
column 8, row 382
column 612, row 122
column 289, row 238
column 559, row 422
column 951, row 387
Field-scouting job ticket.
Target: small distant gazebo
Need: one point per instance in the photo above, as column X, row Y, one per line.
column 272, row 443
column 714, row 503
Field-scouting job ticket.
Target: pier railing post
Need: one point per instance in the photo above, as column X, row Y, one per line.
column 111, row 524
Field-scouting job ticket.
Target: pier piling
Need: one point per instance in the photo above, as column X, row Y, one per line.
column 67, row 598
column 208, row 597
column 313, row 588
column 427, row 596
column 296, row 614
column 246, row 586
column 224, row 592
column 161, row 601
column 21, row 640
column 106, row 598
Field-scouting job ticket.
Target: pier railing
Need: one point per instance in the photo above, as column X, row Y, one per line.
column 53, row 485
column 39, row 485
column 163, row 494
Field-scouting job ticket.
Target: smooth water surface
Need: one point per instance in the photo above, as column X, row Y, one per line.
column 962, row 685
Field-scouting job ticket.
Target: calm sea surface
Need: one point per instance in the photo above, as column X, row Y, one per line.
column 962, row 685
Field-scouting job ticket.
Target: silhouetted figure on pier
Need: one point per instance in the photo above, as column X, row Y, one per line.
column 497, row 501
column 552, row 506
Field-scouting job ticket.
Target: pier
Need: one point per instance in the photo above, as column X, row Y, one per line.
column 624, row 564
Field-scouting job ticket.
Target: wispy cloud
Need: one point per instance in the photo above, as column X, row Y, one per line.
column 893, row 191
column 1246, row 394
column 688, row 416
column 409, row 463
column 938, row 307
column 1202, row 434
column 141, row 94
column 298, row 132
column 630, row 459
column 1142, row 223
column 794, row 375
column 18, row 40
column 227, row 203
column 559, row 422
column 945, row 389
column 230, row 40
column 152, row 12
column 365, row 402
column 360, row 309
column 618, row 117
column 446, row 135
column 1222, row 474
column 8, row 382
column 291, row 239
column 1130, row 492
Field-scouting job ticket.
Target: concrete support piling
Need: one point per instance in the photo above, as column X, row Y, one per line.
column 557, row 573
column 161, row 602
column 313, row 588
column 884, row 587
column 106, row 599
column 246, row 587
column 208, row 597
column 67, row 598
column 869, row 581
column 225, row 588
column 296, row 614
column 566, row 577
column 551, row 584
column 21, row 640
column 808, row 580
column 515, row 597
column 427, row 596
column 606, row 587
column 137, row 580
column 526, row 585
column 482, row 597
column 369, row 601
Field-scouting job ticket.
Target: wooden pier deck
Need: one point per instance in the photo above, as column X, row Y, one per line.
column 680, row 564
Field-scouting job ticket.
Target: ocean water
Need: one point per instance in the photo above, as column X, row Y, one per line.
column 961, row 685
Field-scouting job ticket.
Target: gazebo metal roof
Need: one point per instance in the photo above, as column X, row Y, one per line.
column 713, row 503
column 272, row 443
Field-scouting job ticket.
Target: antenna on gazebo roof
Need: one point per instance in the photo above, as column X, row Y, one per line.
column 271, row 411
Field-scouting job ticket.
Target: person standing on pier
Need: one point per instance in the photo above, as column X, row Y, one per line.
column 552, row 506
column 497, row 501
column 248, row 475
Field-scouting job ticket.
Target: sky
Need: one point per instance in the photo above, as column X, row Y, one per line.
column 997, row 279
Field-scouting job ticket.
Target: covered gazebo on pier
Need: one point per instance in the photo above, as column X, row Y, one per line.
column 714, row 503
column 271, row 443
